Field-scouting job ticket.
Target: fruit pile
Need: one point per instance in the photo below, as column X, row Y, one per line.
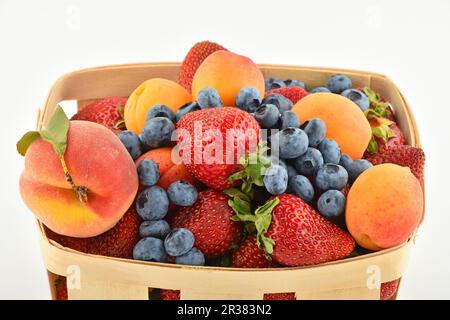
column 226, row 168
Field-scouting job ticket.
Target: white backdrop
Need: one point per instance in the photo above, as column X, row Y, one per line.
column 407, row 40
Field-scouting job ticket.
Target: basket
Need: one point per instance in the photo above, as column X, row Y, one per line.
column 113, row 278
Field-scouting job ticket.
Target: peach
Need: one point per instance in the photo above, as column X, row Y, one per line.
column 228, row 73
column 384, row 206
column 95, row 159
column 169, row 171
column 345, row 122
column 149, row 93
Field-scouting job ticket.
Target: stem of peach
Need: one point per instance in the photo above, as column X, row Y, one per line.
column 80, row 191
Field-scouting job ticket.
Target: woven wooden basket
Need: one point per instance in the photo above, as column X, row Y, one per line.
column 111, row 278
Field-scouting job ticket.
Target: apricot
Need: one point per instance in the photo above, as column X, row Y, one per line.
column 168, row 170
column 149, row 93
column 97, row 160
column 346, row 123
column 228, row 73
column 384, row 206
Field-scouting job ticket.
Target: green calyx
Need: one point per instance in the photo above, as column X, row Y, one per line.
column 120, row 124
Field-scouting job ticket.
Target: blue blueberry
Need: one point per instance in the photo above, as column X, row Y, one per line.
column 131, row 142
column 294, row 83
column 357, row 97
column 276, row 179
column 301, row 187
column 157, row 132
column 156, row 229
column 345, row 161
column 293, row 142
column 338, row 83
column 160, row 110
column 152, row 203
column 281, row 102
column 148, row 172
column 289, row 119
column 267, row 116
column 315, row 129
column 185, row 109
column 357, row 167
column 308, row 163
column 273, row 83
column 277, row 160
column 150, row 249
column 182, row 193
column 291, row 171
column 178, row 242
column 320, row 89
column 331, row 176
column 331, row 204
column 248, row 99
column 209, row 98
column 193, row 257
column 330, row 151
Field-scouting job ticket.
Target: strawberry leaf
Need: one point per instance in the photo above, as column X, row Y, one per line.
column 24, row 143
column 373, row 146
column 56, row 131
column 262, row 223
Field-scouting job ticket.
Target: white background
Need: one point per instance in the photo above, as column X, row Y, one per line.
column 407, row 40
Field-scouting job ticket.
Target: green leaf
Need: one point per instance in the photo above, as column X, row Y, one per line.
column 234, row 192
column 24, row 143
column 373, row 146
column 262, row 223
column 56, row 131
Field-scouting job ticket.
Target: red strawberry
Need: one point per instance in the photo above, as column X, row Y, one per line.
column 206, row 150
column 403, row 155
column 394, row 136
column 388, row 289
column 209, row 220
column 116, row 242
column 280, row 296
column 61, row 288
column 105, row 111
column 249, row 255
column 167, row 294
column 194, row 58
column 292, row 93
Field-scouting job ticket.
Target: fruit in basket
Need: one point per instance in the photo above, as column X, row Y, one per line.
column 316, row 130
column 148, row 172
column 179, row 241
column 276, row 179
column 61, row 288
column 388, row 289
column 384, row 206
column 209, row 98
column 193, row 257
column 208, row 150
column 156, row 229
column 107, row 111
column 157, row 132
column 152, row 203
column 248, row 99
column 160, row 110
column 293, row 142
column 228, row 73
column 209, row 220
column 289, row 119
column 331, row 176
column 331, row 204
column 338, row 83
column 357, row 97
column 150, row 249
column 292, row 93
column 301, row 187
column 194, row 58
column 280, row 101
column 182, row 193
column 280, row 296
column 249, row 255
column 132, row 143
column 152, row 92
column 267, row 115
column 309, row 162
column 345, row 122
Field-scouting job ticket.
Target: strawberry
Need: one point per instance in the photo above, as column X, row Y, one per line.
column 397, row 139
column 206, row 147
column 292, row 93
column 249, row 255
column 280, row 296
column 403, row 155
column 209, row 220
column 194, row 58
column 61, row 288
column 108, row 112
column 168, row 294
column 388, row 289
column 116, row 242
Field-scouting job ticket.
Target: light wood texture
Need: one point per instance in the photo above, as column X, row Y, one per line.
column 111, row 278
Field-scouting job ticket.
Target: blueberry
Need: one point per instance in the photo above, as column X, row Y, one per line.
column 331, row 176
column 281, row 102
column 156, row 229
column 185, row 109
column 179, row 241
column 208, row 98
column 330, row 151
column 357, row 97
column 267, row 116
column 277, row 160
column 276, row 179
column 273, row 83
column 315, row 129
column 345, row 161
column 308, row 163
column 148, row 172
column 248, row 99
column 131, row 142
column 182, row 193
column 152, row 203
column 331, row 204
column 291, row 171
column 150, row 249
column 160, row 110
column 293, row 142
column 357, row 167
column 193, row 257
column 338, row 83
column 320, row 89
column 289, row 119
column 294, row 83
column 301, row 187
column 157, row 132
